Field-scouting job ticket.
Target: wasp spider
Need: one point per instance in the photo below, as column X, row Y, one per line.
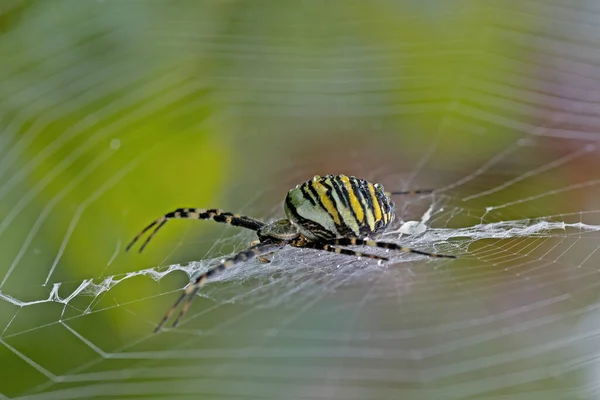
column 323, row 213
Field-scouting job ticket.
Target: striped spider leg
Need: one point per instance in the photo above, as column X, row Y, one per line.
column 200, row 214
column 327, row 246
column 193, row 288
column 383, row 245
column 410, row 192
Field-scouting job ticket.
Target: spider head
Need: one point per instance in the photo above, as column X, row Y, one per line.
column 282, row 229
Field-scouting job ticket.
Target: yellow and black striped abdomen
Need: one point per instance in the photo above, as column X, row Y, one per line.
column 336, row 206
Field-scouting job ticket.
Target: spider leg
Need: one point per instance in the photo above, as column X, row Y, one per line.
column 263, row 258
column 410, row 192
column 383, row 245
column 192, row 289
column 327, row 247
column 197, row 213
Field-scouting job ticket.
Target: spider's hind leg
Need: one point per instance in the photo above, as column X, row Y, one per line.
column 384, row 245
column 327, row 247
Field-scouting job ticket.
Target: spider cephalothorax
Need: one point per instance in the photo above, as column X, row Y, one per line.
column 282, row 229
column 324, row 213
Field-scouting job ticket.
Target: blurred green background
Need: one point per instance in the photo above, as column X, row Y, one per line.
column 115, row 112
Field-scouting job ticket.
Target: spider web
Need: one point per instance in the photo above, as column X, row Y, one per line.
column 114, row 112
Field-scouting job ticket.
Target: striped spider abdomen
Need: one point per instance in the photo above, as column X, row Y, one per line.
column 337, row 206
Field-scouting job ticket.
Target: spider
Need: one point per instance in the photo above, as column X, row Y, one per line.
column 323, row 213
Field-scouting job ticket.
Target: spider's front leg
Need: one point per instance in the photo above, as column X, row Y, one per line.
column 263, row 258
column 192, row 289
column 214, row 214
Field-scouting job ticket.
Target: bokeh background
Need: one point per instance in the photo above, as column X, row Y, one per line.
column 115, row 112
